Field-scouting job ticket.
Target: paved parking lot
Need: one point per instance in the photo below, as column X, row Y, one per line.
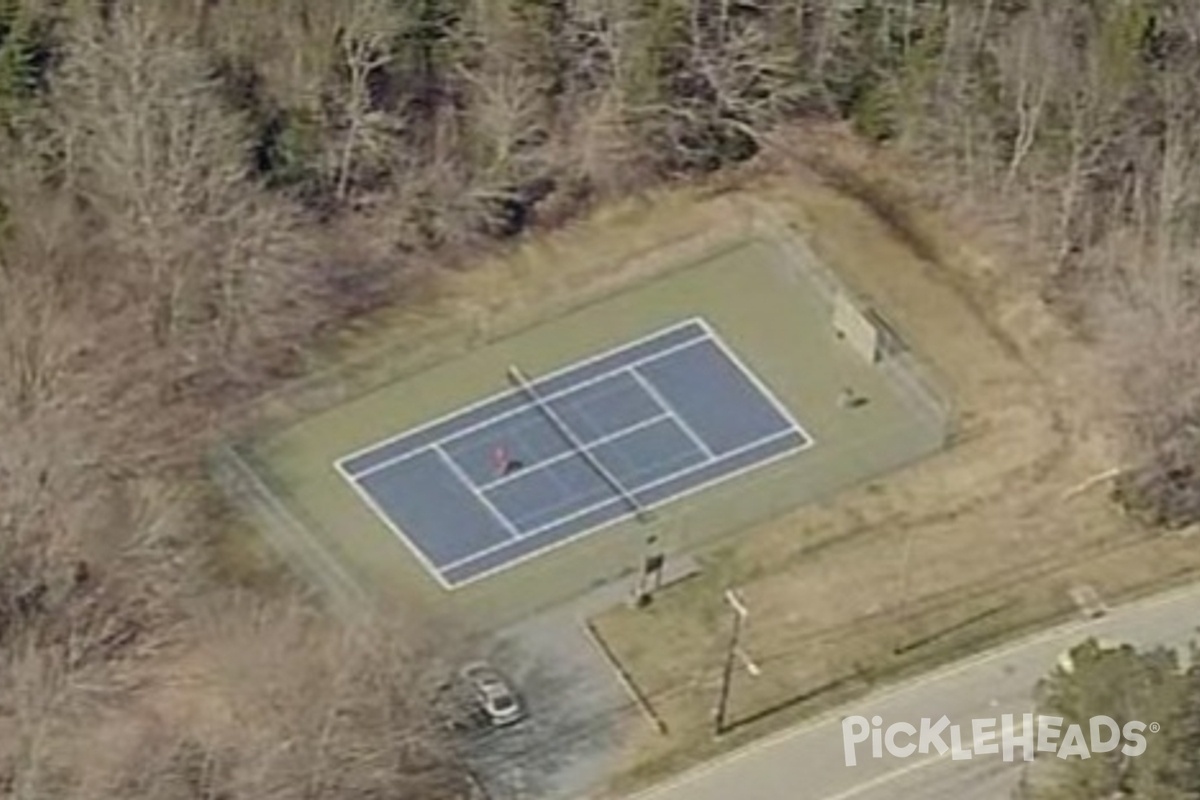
column 579, row 715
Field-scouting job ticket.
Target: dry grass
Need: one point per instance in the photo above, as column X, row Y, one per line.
column 976, row 544
column 448, row 313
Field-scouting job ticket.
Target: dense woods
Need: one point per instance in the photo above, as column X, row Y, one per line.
column 188, row 189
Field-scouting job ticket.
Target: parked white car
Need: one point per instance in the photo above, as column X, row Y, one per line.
column 496, row 697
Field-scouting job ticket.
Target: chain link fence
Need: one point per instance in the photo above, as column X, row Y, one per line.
column 248, row 479
column 281, row 524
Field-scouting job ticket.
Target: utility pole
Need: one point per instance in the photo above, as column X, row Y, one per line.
column 740, row 613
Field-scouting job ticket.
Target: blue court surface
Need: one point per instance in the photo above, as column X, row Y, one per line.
column 602, row 440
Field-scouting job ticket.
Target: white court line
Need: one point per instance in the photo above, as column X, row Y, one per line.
column 808, row 441
column 487, row 551
column 670, row 476
column 666, row 406
column 552, row 546
column 492, row 420
column 466, row 481
column 503, row 546
column 439, row 572
column 566, row 454
column 755, row 381
column 583, row 362
column 422, row 559
column 737, row 451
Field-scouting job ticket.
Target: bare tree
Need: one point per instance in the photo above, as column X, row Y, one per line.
column 364, row 45
column 162, row 163
column 1027, row 58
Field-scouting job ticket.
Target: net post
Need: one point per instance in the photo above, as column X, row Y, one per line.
column 517, row 377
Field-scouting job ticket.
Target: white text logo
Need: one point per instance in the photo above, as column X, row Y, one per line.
column 1003, row 737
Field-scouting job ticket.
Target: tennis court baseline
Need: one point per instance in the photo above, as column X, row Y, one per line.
column 563, row 455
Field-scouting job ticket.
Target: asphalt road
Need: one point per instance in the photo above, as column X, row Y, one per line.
column 809, row 762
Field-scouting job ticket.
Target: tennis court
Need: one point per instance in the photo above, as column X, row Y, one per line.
column 559, row 456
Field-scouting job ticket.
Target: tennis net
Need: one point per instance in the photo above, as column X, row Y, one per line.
column 518, row 378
